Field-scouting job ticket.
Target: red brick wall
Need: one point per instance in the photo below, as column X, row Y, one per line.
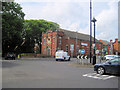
column 64, row 41
column 49, row 44
column 116, row 46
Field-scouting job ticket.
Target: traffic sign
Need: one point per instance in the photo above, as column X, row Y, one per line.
column 79, row 51
column 82, row 51
column 78, row 57
column 86, row 57
column 97, row 51
column 82, row 57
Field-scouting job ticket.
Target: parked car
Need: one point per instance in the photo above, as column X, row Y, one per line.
column 111, row 66
column 110, row 57
column 61, row 55
column 10, row 55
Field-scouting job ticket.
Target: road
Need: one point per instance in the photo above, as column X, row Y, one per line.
column 48, row 73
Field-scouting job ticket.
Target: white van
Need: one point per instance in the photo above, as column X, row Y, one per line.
column 61, row 55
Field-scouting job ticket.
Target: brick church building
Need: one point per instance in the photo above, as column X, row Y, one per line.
column 68, row 41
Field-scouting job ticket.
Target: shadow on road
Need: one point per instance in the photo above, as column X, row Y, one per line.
column 9, row 64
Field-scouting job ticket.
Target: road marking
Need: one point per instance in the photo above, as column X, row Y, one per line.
column 98, row 76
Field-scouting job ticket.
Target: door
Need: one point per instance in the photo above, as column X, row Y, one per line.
column 114, row 66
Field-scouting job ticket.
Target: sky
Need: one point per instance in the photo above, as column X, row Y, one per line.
column 74, row 15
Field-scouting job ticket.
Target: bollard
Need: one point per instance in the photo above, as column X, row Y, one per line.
column 18, row 56
column 94, row 60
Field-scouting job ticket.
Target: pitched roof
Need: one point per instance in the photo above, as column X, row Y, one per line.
column 105, row 42
column 80, row 36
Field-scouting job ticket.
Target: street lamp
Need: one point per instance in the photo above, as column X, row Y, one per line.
column 76, row 43
column 94, row 56
column 90, row 29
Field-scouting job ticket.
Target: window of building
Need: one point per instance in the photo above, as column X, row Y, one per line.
column 60, row 40
column 99, row 51
column 44, row 41
column 53, row 40
column 77, row 49
column 48, row 51
column 99, row 46
column 44, row 51
column 87, row 49
column 53, row 51
column 66, row 48
column 82, row 47
column 48, row 39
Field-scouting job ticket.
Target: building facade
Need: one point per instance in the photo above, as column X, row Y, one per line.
column 69, row 41
column 116, row 47
column 107, row 50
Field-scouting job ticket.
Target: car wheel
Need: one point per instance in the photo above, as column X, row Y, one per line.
column 101, row 70
column 56, row 59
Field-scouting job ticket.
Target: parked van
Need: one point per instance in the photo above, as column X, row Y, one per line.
column 61, row 55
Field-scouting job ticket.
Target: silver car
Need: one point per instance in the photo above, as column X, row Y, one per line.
column 110, row 57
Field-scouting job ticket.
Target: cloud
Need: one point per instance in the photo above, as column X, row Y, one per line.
column 74, row 15
column 107, row 22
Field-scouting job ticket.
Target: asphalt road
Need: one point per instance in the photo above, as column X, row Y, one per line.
column 48, row 73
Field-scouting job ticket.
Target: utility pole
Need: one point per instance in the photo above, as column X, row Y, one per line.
column 76, row 43
column 94, row 56
column 90, row 30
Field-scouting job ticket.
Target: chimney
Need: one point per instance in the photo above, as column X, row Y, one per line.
column 110, row 40
column 116, row 40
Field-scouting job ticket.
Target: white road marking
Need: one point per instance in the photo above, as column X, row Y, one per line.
column 98, row 76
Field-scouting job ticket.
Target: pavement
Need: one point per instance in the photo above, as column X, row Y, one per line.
column 74, row 61
column 81, row 65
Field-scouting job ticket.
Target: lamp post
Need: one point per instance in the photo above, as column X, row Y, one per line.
column 40, row 46
column 90, row 29
column 35, row 47
column 94, row 56
column 76, row 43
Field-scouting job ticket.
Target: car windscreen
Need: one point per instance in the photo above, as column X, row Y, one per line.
column 115, row 60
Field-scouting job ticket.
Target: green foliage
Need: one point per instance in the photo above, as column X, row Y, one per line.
column 12, row 25
column 15, row 28
column 33, row 30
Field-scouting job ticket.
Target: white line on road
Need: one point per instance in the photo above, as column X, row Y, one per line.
column 98, row 76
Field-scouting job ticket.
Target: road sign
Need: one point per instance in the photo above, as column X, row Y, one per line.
column 82, row 57
column 106, row 53
column 82, row 51
column 86, row 57
column 78, row 57
column 79, row 51
column 97, row 51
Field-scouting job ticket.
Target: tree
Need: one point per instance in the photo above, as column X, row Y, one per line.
column 33, row 30
column 12, row 26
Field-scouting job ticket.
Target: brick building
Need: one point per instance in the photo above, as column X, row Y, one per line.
column 106, row 47
column 68, row 41
column 116, row 47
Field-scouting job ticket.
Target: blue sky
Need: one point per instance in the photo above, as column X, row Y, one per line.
column 74, row 15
